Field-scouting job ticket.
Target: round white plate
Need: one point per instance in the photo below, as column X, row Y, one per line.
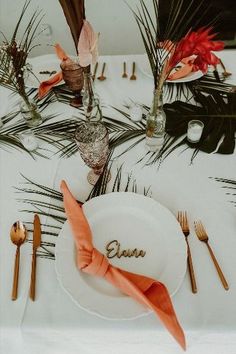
column 145, row 68
column 48, row 62
column 136, row 222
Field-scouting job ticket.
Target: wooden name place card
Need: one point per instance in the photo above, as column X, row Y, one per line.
column 113, row 249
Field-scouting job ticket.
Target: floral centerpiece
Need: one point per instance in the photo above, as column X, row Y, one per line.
column 85, row 41
column 13, row 63
column 173, row 52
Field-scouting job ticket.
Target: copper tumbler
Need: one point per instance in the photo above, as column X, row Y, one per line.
column 74, row 79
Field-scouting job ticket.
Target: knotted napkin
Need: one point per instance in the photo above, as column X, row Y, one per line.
column 186, row 68
column 47, row 85
column 147, row 291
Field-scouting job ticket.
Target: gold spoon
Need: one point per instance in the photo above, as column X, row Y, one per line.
column 133, row 76
column 102, row 77
column 18, row 235
column 124, row 73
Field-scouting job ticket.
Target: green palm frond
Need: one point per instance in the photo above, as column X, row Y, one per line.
column 63, row 94
column 101, row 185
column 14, row 52
column 44, row 102
column 229, row 185
column 155, row 28
column 120, row 132
column 124, row 131
column 215, row 106
column 48, row 202
column 8, row 139
column 9, row 135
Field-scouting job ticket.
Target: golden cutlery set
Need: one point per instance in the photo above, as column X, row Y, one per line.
column 102, row 77
column 133, row 76
column 18, row 235
column 203, row 237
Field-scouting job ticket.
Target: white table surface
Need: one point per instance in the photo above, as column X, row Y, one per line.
column 53, row 323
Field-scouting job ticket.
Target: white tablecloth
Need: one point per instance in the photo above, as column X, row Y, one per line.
column 53, row 323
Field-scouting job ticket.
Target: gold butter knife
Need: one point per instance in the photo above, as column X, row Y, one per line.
column 36, row 244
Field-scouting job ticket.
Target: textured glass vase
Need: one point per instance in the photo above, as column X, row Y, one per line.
column 91, row 102
column 155, row 124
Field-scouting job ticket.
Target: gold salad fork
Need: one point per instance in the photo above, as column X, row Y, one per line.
column 133, row 76
column 225, row 72
column 183, row 220
column 202, row 235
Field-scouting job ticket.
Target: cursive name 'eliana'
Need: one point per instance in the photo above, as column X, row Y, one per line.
column 113, row 249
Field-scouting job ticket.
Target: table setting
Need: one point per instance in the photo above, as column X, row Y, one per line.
column 117, row 188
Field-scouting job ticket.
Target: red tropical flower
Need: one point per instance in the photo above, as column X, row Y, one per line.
column 199, row 44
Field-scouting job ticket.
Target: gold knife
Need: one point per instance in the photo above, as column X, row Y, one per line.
column 36, row 244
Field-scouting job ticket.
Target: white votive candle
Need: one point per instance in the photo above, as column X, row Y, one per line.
column 28, row 140
column 194, row 133
column 136, row 113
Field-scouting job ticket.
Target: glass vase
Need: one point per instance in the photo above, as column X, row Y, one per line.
column 91, row 102
column 155, row 123
column 30, row 113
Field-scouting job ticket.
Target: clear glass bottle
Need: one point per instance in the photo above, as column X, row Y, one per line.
column 30, row 113
column 155, row 124
column 91, row 100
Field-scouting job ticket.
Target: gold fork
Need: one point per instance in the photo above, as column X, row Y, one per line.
column 102, row 77
column 133, row 76
column 183, row 220
column 225, row 72
column 202, row 235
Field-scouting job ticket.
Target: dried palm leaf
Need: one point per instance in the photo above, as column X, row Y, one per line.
column 74, row 12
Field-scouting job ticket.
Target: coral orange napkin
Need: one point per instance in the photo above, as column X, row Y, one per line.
column 186, row 64
column 146, row 291
column 87, row 46
column 186, row 68
column 47, row 85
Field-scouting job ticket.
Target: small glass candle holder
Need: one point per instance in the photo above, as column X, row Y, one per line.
column 28, row 140
column 194, row 133
column 136, row 112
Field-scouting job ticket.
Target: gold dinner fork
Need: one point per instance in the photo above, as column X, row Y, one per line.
column 202, row 235
column 183, row 220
